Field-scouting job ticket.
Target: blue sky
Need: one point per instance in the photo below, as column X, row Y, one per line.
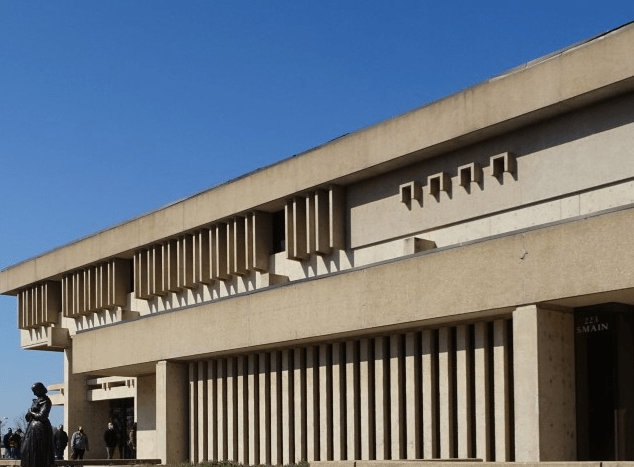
column 112, row 109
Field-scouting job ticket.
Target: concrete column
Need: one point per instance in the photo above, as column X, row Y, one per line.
column 366, row 376
column 221, row 408
column 202, row 412
column 338, row 402
column 299, row 400
column 482, row 392
column 276, row 409
column 352, row 400
column 232, row 406
column 171, row 412
column 312, row 404
column 325, row 403
column 464, row 406
column 397, row 402
column 412, row 396
column 544, row 385
column 288, row 433
column 212, row 414
column 93, row 416
column 254, row 410
column 501, row 391
column 242, row 410
column 381, row 399
column 193, row 413
column 145, row 413
column 430, row 398
column 264, row 419
column 446, row 404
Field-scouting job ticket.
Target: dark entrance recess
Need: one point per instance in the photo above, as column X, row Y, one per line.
column 604, row 364
column 279, row 231
column 121, row 414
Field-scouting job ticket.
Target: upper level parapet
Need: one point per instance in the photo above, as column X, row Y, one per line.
column 586, row 73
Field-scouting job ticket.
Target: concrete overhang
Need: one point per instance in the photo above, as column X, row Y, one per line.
column 108, row 388
column 45, row 338
column 581, row 75
column 57, row 393
column 584, row 260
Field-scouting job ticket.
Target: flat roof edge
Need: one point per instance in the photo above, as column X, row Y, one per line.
column 355, row 151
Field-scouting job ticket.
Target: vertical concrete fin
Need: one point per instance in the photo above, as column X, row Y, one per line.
column 482, row 390
column 446, row 403
column 322, row 222
column 353, row 401
column 337, row 217
column 413, row 395
column 464, row 391
column 381, row 398
column 501, row 394
column 212, row 411
column 430, row 394
column 338, row 402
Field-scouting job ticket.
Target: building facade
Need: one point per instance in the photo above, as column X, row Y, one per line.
column 456, row 282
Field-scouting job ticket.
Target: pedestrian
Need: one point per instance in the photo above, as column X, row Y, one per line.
column 110, row 438
column 121, row 435
column 60, row 441
column 8, row 450
column 132, row 441
column 79, row 444
column 16, row 440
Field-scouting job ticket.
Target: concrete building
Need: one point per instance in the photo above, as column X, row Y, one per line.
column 455, row 282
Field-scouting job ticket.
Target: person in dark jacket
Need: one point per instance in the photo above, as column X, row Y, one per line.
column 16, row 441
column 111, row 439
column 60, row 441
column 8, row 450
column 37, row 448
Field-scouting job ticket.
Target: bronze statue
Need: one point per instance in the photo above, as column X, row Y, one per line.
column 37, row 448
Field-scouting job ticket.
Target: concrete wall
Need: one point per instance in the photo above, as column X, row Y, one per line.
column 515, row 388
column 544, row 382
column 172, row 420
column 559, row 162
column 558, row 176
column 92, row 416
column 574, row 259
column 579, row 76
column 145, row 413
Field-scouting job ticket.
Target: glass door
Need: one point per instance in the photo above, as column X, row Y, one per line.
column 604, row 364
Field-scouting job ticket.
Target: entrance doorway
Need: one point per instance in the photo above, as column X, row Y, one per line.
column 121, row 414
column 604, row 364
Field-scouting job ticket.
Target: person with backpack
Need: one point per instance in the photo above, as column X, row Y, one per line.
column 79, row 444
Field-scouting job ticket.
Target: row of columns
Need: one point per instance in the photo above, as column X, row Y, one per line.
column 502, row 390
column 443, row 393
